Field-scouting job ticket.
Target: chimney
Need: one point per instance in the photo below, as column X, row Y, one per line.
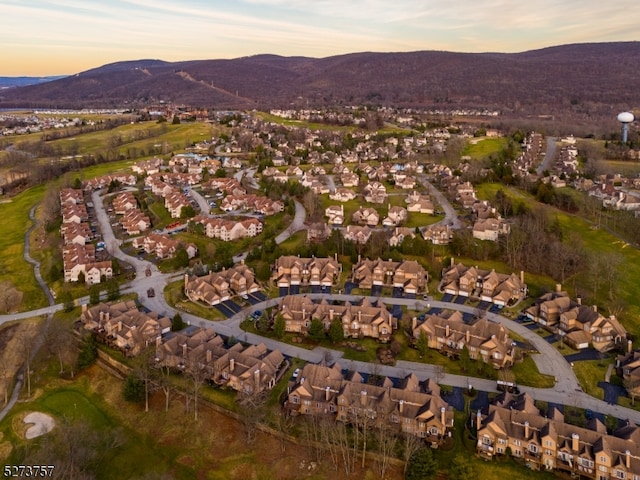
column 443, row 418
column 327, row 393
column 84, row 308
column 629, row 346
column 363, row 398
column 414, row 323
column 158, row 341
column 478, row 420
column 184, row 349
column 627, row 455
column 526, row 430
column 558, row 287
column 452, row 262
column 522, row 276
column 232, row 365
column 575, row 442
column 119, row 326
column 467, row 336
column 400, row 406
column 256, row 378
column 579, row 299
column 595, row 308
column 208, row 356
column 331, row 314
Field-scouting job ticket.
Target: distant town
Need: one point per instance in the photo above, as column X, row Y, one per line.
column 378, row 280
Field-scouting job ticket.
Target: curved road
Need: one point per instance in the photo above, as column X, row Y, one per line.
column 549, row 360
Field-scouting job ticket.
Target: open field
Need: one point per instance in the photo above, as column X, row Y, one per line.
column 483, row 147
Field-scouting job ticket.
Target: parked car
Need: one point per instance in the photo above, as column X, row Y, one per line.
column 151, row 293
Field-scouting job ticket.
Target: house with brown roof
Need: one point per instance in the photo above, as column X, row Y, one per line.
column 79, row 233
column 81, row 259
column 134, row 222
column 71, row 196
column 399, row 234
column 395, row 216
column 364, row 319
column 548, row 442
column 490, row 229
column 125, row 327
column 357, row 234
column 228, row 230
column 438, row 234
column 410, row 406
column 163, row 245
column 408, row 275
column 318, row 232
column 485, row 341
column 579, row 325
column 342, row 194
column 292, row 270
column 216, row 287
column 489, row 286
column 365, row 216
column 123, row 202
column 375, row 192
column 334, row 214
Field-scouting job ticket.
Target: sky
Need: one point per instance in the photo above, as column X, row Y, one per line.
column 60, row 37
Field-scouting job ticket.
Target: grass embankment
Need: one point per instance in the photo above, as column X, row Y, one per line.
column 595, row 242
column 13, row 267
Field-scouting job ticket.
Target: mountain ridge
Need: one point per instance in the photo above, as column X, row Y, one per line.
column 592, row 78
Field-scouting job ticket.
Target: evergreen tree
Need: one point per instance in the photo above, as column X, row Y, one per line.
column 88, row 353
column 336, row 332
column 133, row 389
column 316, row 330
column 279, row 327
column 422, row 465
column 177, row 323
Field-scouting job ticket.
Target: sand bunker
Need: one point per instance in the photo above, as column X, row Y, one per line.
column 42, row 424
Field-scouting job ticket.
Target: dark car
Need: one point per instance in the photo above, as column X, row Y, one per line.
column 151, row 293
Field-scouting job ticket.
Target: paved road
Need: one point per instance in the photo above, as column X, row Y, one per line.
column 296, row 224
column 450, row 214
column 549, row 156
column 549, row 360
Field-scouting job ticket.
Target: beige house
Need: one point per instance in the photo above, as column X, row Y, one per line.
column 438, row 234
column 216, row 287
column 365, row 319
column 292, row 270
column 580, row 325
column 485, row 341
column 366, row 216
column 357, row 234
column 548, row 442
column 490, row 229
column 408, row 275
column 81, row 259
column 123, row 326
column 395, row 216
column 375, row 192
column 334, row 214
column 489, row 286
column 412, row 407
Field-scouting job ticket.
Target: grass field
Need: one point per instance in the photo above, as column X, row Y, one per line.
column 479, row 148
column 13, row 267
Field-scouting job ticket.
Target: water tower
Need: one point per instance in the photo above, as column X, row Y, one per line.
column 625, row 118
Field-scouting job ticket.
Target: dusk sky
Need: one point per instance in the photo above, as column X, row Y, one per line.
column 53, row 37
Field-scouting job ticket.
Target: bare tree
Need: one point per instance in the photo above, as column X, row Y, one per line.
column 253, row 412
column 197, row 372
column 386, row 440
column 411, row 444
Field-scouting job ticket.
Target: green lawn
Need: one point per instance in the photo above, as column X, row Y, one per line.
column 13, row 267
column 479, row 148
column 589, row 373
